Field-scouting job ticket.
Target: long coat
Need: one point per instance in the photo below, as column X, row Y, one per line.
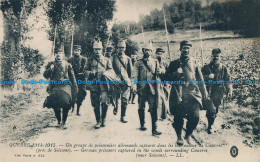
column 125, row 71
column 217, row 91
column 143, row 74
column 61, row 95
column 185, row 91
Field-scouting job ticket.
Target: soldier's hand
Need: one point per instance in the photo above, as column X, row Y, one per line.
column 179, row 70
column 52, row 67
column 134, row 88
column 229, row 95
column 211, row 76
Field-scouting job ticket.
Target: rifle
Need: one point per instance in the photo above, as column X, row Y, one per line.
column 54, row 40
column 71, row 45
column 201, row 48
column 166, row 34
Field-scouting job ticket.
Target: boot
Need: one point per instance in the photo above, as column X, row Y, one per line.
column 104, row 113
column 210, row 123
column 179, row 140
column 141, row 114
column 154, row 126
column 133, row 98
column 97, row 114
column 78, row 107
column 187, row 138
column 123, row 110
column 116, row 107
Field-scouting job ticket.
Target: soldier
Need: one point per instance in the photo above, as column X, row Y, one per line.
column 185, row 100
column 109, row 51
column 97, row 65
column 61, row 74
column 79, row 64
column 122, row 66
column 163, row 89
column 217, row 72
column 147, row 70
column 132, row 93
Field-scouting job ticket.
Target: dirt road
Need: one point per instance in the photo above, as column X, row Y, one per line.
column 118, row 141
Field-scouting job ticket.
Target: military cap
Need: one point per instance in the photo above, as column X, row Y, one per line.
column 160, row 50
column 121, row 43
column 57, row 50
column 185, row 43
column 149, row 46
column 216, row 51
column 77, row 47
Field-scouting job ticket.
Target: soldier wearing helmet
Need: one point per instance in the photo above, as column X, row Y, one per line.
column 96, row 66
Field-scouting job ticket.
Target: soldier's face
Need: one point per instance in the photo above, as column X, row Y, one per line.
column 59, row 56
column 108, row 53
column 159, row 55
column 76, row 52
column 185, row 51
column 121, row 50
column 98, row 51
column 216, row 59
column 147, row 52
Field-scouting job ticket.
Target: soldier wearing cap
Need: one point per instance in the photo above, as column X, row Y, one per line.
column 132, row 93
column 147, row 70
column 163, row 89
column 79, row 63
column 96, row 66
column 217, row 72
column 109, row 51
column 185, row 97
column 122, row 66
column 61, row 95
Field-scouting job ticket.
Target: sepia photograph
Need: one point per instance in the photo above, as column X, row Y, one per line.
column 129, row 80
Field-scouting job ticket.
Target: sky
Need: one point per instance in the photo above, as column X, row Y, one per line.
column 129, row 10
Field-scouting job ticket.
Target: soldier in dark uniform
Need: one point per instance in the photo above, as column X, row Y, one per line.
column 163, row 89
column 215, row 71
column 62, row 75
column 185, row 98
column 97, row 65
column 132, row 93
column 79, row 63
column 147, row 70
column 109, row 51
column 122, row 66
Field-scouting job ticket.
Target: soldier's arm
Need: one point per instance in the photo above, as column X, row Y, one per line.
column 227, row 77
column 130, row 68
column 171, row 72
column 72, row 76
column 202, row 87
column 48, row 71
column 205, row 72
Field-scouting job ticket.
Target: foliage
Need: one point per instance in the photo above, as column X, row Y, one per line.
column 33, row 61
column 241, row 16
column 87, row 18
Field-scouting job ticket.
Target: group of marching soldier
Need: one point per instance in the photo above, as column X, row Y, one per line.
column 181, row 100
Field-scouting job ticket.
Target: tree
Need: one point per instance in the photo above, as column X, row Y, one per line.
column 15, row 14
column 87, row 18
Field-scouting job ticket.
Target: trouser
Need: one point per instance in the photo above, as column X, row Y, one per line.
column 190, row 110
column 151, row 99
column 124, row 94
column 64, row 115
column 80, row 98
column 211, row 113
column 132, row 96
column 99, row 99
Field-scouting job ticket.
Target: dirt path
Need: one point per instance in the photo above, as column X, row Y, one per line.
column 74, row 143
